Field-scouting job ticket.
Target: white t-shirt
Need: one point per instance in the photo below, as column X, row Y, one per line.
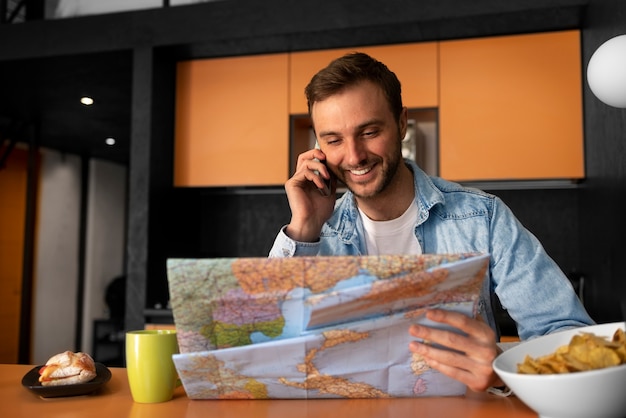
column 396, row 236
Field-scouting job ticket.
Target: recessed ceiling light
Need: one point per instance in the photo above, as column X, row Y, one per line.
column 87, row 101
column 110, row 141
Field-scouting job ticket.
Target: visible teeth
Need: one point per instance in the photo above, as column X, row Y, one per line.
column 360, row 172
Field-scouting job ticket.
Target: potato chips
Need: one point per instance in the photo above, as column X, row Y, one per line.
column 586, row 351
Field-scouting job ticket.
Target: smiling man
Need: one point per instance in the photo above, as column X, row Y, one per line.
column 393, row 207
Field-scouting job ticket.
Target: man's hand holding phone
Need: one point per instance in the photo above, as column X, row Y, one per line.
column 325, row 191
column 311, row 193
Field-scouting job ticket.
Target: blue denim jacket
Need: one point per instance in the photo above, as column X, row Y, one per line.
column 456, row 219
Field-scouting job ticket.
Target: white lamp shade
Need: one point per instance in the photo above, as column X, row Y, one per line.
column 606, row 72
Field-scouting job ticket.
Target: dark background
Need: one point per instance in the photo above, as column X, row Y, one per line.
column 132, row 56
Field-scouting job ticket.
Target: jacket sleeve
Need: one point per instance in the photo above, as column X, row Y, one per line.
column 531, row 286
column 287, row 247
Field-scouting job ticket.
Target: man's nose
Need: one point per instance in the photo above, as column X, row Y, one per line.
column 355, row 152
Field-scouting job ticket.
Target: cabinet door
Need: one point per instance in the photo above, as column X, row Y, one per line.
column 415, row 65
column 13, row 188
column 231, row 121
column 511, row 108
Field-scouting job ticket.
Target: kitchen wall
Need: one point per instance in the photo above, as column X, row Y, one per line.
column 105, row 252
column 56, row 315
column 56, row 256
column 582, row 228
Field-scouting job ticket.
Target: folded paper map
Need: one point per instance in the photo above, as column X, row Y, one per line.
column 314, row 327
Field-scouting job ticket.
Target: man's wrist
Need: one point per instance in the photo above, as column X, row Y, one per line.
column 301, row 234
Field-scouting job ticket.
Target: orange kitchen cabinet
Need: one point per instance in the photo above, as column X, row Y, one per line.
column 231, row 126
column 415, row 64
column 511, row 108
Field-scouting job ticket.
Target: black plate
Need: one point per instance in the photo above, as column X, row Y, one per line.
column 31, row 382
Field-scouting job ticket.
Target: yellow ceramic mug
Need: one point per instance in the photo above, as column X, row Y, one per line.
column 151, row 372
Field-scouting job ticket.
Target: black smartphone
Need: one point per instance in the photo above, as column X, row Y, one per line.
column 326, row 190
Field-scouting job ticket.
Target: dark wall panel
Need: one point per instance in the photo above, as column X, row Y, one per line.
column 602, row 221
column 209, row 223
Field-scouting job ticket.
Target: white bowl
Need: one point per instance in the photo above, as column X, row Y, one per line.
column 590, row 394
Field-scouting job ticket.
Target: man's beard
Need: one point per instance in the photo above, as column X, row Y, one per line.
column 388, row 173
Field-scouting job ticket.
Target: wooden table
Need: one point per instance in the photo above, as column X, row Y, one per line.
column 114, row 401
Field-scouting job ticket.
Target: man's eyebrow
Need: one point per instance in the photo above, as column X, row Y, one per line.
column 370, row 123
column 359, row 128
column 327, row 133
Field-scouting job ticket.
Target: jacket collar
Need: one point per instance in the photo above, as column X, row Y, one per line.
column 427, row 195
column 346, row 220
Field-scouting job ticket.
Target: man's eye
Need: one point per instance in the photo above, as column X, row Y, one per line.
column 370, row 133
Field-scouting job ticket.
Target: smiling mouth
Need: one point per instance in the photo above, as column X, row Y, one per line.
column 361, row 172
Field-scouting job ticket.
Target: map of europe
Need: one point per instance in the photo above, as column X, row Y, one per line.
column 314, row 327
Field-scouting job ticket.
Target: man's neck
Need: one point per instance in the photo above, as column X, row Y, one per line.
column 393, row 201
